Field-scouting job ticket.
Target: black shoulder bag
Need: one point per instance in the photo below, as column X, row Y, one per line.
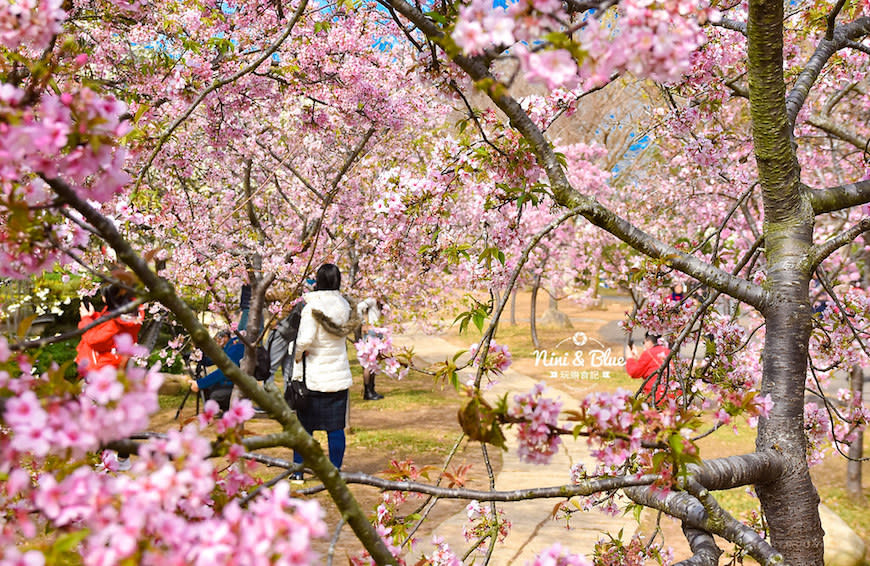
column 296, row 393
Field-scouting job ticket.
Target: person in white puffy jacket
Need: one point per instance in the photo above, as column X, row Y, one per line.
column 322, row 356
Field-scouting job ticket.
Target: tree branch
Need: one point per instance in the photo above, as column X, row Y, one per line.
column 163, row 291
column 689, row 509
column 826, row 48
column 832, row 19
column 587, row 487
column 704, row 549
column 567, row 196
column 738, row 471
column 857, row 46
column 837, row 198
column 831, row 127
column 216, row 85
column 819, row 252
column 732, row 25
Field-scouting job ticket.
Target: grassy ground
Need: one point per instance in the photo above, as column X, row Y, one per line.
column 415, row 421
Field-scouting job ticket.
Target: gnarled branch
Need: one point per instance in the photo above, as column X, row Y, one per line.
column 839, row 131
column 690, row 510
column 704, row 549
column 737, row 471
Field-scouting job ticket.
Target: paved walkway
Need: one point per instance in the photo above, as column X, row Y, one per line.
column 533, row 527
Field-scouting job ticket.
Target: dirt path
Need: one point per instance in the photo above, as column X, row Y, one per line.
column 533, row 526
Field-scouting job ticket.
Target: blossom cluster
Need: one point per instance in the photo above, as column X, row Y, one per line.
column 183, row 506
column 817, row 427
column 482, row 25
column 498, row 357
column 375, row 353
column 556, row 555
column 481, row 523
column 855, row 416
column 833, row 341
column 30, row 23
column 538, row 415
column 441, row 555
column 609, row 413
column 654, row 40
column 72, row 136
column 110, row 405
column 613, row 551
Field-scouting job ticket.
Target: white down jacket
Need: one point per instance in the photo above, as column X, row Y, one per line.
column 326, row 365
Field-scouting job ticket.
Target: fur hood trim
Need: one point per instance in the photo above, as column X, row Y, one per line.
column 336, row 313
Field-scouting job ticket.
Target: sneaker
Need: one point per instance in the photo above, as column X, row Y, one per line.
column 296, row 478
column 124, row 464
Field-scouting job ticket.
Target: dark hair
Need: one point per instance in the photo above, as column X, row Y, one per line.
column 116, row 296
column 328, row 278
column 222, row 334
column 654, row 338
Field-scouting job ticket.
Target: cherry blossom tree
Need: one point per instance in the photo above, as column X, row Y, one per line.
column 480, row 34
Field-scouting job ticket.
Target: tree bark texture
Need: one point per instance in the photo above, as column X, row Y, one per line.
column 790, row 502
column 856, row 449
column 704, row 549
column 533, row 327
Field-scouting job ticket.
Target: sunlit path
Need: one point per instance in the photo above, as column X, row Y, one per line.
column 533, row 527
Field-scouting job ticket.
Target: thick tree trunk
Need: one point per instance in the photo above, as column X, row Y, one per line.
column 856, row 449
column 790, row 504
column 553, row 316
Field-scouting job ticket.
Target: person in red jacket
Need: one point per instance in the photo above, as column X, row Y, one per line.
column 645, row 363
column 96, row 348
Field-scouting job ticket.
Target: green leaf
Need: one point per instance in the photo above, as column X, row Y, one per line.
column 437, row 17
column 68, row 542
column 24, row 326
column 140, row 111
column 675, row 441
column 478, row 320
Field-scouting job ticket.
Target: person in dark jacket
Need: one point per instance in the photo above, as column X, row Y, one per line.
column 217, row 386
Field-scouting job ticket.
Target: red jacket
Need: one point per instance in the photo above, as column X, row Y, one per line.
column 97, row 346
column 644, row 366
